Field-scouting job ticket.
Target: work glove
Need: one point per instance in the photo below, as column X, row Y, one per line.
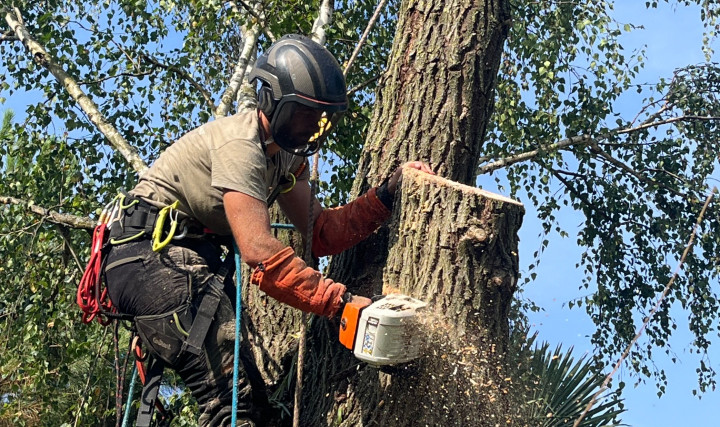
column 340, row 228
column 289, row 280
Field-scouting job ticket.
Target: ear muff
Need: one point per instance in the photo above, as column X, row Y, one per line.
column 266, row 102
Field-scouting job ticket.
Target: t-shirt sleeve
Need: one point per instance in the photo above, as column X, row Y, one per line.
column 239, row 165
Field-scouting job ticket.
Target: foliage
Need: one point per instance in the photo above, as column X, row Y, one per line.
column 639, row 183
column 141, row 63
column 557, row 388
column 51, row 363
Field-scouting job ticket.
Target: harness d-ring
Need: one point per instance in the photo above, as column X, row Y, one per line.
column 294, row 181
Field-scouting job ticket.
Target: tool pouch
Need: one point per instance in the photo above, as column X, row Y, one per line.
column 164, row 334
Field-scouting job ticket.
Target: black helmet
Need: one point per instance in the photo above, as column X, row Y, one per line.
column 302, row 93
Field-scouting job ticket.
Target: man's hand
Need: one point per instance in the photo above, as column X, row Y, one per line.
column 397, row 175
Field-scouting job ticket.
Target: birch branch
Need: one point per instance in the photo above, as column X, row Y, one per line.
column 257, row 12
column 323, row 19
column 8, row 36
column 250, row 41
column 42, row 58
column 667, row 122
column 630, row 171
column 183, row 75
column 73, row 221
column 649, row 317
column 507, row 161
column 246, row 97
column 585, row 139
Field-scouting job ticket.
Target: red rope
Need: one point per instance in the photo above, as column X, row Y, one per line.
column 90, row 298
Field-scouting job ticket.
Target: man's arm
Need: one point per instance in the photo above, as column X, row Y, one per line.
column 337, row 229
column 250, row 223
column 277, row 270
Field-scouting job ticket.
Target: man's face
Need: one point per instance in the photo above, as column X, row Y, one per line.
column 300, row 125
column 305, row 123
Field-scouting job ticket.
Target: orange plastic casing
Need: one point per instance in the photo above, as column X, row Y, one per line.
column 349, row 324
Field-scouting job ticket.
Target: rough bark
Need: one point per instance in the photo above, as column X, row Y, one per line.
column 449, row 244
column 433, row 104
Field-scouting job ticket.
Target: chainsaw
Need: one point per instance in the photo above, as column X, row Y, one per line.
column 384, row 333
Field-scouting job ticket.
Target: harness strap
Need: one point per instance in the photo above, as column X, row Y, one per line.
column 284, row 180
column 208, row 307
column 150, row 392
column 201, row 324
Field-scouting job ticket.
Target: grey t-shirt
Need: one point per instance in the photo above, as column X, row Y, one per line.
column 223, row 154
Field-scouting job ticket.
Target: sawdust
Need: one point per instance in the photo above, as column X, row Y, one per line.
column 458, row 380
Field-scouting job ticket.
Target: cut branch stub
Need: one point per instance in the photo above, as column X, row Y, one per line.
column 455, row 247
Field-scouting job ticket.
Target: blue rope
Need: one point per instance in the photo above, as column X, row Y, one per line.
column 238, row 306
column 284, row 226
column 238, row 311
column 126, row 416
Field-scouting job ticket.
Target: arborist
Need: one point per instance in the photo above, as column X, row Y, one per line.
column 164, row 264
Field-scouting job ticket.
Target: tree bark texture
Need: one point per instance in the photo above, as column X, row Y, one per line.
column 455, row 247
column 449, row 244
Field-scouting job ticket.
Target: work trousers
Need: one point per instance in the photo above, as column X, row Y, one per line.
column 153, row 286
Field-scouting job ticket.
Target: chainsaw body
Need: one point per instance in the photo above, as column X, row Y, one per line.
column 385, row 332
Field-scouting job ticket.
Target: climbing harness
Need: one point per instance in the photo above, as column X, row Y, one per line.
column 126, row 219
column 123, row 220
column 150, row 378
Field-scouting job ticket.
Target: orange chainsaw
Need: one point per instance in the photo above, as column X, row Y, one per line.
column 384, row 333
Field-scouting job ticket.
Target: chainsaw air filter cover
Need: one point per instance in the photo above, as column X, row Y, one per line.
column 388, row 332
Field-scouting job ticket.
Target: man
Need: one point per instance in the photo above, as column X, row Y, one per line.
column 218, row 180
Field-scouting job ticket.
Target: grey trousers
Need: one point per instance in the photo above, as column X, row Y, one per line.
column 165, row 288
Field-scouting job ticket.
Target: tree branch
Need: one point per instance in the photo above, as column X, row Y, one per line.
column 246, row 97
column 256, row 11
column 183, row 75
column 362, row 85
column 8, row 36
column 370, row 24
column 66, row 237
column 42, row 58
column 585, row 139
column 507, row 161
column 595, row 148
column 666, row 122
column 647, row 319
column 73, row 221
column 323, row 19
column 106, row 78
column 250, row 41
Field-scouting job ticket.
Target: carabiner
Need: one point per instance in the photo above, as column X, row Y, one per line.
column 160, row 224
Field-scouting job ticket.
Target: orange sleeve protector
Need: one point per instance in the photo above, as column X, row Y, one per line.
column 340, row 228
column 289, row 280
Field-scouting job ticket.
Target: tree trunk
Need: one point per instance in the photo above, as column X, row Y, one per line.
column 449, row 244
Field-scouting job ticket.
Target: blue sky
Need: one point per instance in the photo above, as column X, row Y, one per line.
column 673, row 36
